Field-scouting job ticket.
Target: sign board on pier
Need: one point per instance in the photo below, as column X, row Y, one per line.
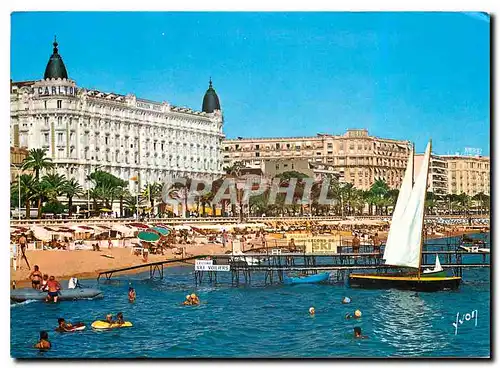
column 207, row 265
column 317, row 244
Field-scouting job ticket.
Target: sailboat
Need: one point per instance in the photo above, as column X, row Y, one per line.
column 403, row 250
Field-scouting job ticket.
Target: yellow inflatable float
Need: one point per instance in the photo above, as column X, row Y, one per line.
column 103, row 325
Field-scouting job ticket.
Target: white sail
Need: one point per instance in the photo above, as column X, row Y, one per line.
column 437, row 266
column 406, row 231
column 404, row 195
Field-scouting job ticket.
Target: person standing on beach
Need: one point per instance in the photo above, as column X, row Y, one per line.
column 36, row 278
column 376, row 243
column 355, row 244
column 22, row 245
column 224, row 238
column 110, row 243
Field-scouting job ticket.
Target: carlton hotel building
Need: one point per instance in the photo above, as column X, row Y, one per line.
column 83, row 129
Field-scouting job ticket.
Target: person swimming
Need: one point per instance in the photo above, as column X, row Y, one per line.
column 131, row 294
column 194, row 299
column 62, row 325
column 358, row 334
column 312, row 311
column 43, row 343
column 119, row 318
column 346, row 300
column 357, row 314
column 188, row 300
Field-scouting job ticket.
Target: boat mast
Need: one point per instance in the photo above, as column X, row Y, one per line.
column 413, row 164
column 423, row 215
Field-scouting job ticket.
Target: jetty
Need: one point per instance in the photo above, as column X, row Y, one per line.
column 155, row 268
column 274, row 262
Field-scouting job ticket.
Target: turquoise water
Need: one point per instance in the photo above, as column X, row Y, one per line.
column 260, row 321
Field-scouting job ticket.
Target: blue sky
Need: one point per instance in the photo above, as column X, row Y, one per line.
column 400, row 75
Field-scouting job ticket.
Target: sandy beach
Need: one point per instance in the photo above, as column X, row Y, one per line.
column 87, row 264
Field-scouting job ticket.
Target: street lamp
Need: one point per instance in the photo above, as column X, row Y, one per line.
column 240, row 185
column 19, row 191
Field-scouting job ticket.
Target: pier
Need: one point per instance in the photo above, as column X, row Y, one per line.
column 273, row 263
column 155, row 268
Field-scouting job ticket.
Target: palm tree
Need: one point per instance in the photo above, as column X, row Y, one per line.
column 152, row 192
column 53, row 185
column 377, row 192
column 49, row 188
column 72, row 189
column 37, row 161
column 483, row 199
column 29, row 191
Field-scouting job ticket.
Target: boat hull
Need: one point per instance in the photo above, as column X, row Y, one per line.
column 311, row 279
column 427, row 283
column 21, row 295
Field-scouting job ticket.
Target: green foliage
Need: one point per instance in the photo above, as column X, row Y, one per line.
column 54, row 207
column 37, row 161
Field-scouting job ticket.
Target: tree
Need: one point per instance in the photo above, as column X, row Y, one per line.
column 71, row 189
column 378, row 191
column 152, row 192
column 107, row 187
column 29, row 191
column 37, row 161
column 483, row 200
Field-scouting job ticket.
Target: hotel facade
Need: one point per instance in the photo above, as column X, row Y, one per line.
column 468, row 174
column 356, row 157
column 84, row 129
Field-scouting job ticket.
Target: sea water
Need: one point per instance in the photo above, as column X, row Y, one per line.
column 261, row 321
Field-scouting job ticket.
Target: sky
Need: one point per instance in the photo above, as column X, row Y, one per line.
column 411, row 76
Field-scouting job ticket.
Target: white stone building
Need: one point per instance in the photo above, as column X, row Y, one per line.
column 83, row 129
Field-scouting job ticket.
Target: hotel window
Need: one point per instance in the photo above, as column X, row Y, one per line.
column 46, row 138
column 257, row 147
column 59, row 121
column 59, row 138
column 45, row 104
column 277, row 146
column 59, row 104
column 257, row 154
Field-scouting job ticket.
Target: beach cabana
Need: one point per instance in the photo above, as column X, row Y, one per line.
column 138, row 225
column 126, row 231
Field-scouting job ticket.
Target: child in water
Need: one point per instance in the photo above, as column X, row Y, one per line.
column 131, row 294
column 43, row 343
column 357, row 314
column 358, row 334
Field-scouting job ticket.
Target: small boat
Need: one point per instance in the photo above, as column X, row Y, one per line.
column 249, row 260
column 437, row 271
column 404, row 244
column 474, row 249
column 307, row 279
column 21, row 295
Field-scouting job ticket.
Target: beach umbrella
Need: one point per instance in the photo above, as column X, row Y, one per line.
column 161, row 230
column 148, row 236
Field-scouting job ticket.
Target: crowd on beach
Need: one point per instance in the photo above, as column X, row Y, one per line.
column 185, row 240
